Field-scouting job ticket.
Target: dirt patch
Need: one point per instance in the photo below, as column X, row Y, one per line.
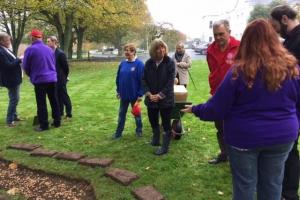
column 39, row 185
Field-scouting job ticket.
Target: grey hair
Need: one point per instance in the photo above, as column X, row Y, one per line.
column 223, row 22
column 53, row 39
column 155, row 45
column 3, row 35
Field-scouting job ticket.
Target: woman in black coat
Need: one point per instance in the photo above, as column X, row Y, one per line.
column 158, row 79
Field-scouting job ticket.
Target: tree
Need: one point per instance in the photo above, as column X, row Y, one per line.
column 259, row 11
column 14, row 14
column 60, row 14
column 263, row 11
column 119, row 19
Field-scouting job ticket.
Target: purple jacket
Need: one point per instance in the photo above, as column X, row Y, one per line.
column 39, row 63
column 253, row 117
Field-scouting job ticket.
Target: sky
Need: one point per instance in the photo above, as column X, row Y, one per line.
column 184, row 14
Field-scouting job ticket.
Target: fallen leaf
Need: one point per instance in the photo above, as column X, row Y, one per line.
column 13, row 191
column 147, row 168
column 13, row 166
column 220, row 193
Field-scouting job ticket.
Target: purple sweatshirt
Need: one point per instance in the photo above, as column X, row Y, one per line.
column 253, row 117
column 39, row 63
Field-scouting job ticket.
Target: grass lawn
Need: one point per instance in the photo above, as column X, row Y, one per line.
column 183, row 174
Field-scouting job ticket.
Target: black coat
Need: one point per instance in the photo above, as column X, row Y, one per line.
column 61, row 65
column 159, row 79
column 292, row 42
column 10, row 69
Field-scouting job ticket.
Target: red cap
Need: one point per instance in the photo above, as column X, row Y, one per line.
column 36, row 33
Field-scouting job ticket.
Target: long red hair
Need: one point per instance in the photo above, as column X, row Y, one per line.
column 261, row 49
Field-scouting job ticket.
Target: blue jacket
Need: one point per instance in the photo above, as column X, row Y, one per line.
column 254, row 117
column 39, row 63
column 10, row 70
column 129, row 80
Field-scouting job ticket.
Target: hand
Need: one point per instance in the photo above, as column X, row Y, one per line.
column 187, row 109
column 154, row 97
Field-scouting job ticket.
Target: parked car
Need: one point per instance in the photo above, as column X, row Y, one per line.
column 201, row 48
column 110, row 51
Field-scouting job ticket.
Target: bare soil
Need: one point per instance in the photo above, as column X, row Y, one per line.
column 39, row 185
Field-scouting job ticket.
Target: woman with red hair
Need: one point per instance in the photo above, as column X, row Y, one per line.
column 257, row 101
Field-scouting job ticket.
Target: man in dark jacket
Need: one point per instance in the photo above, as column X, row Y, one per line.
column 62, row 70
column 284, row 20
column 10, row 77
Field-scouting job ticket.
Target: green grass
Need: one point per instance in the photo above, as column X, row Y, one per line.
column 182, row 174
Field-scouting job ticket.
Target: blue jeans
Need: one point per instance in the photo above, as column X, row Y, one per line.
column 259, row 171
column 122, row 118
column 14, row 96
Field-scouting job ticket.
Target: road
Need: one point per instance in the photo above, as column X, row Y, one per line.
column 195, row 56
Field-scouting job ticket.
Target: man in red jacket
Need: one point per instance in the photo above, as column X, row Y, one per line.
column 220, row 56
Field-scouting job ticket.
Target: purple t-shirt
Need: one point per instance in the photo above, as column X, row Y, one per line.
column 254, row 117
column 39, row 63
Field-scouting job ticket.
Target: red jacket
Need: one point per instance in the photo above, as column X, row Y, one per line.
column 219, row 62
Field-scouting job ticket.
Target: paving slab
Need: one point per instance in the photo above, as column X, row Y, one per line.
column 72, row 156
column 96, row 162
column 122, row 176
column 147, row 193
column 24, row 146
column 43, row 152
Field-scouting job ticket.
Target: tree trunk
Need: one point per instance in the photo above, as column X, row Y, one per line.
column 68, row 44
column 80, row 32
column 14, row 22
column 70, row 49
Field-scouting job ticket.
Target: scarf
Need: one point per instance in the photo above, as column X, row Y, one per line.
column 179, row 57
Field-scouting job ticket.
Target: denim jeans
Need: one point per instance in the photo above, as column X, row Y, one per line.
column 122, row 118
column 14, row 96
column 259, row 171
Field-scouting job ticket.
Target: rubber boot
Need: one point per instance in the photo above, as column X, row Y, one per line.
column 155, row 137
column 165, row 146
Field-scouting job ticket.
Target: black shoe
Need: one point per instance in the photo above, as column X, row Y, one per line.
column 69, row 116
column 219, row 159
column 55, row 125
column 39, row 129
column 139, row 134
column 160, row 151
column 11, row 125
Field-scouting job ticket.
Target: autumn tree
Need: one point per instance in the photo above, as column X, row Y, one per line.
column 263, row 11
column 120, row 18
column 14, row 14
column 60, row 14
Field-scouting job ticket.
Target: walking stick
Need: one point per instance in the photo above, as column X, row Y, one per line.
column 192, row 79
